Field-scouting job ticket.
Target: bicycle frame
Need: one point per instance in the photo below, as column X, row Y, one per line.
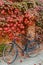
column 13, row 42
column 26, row 46
column 28, row 41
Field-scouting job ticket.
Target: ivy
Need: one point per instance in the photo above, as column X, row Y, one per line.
column 1, row 48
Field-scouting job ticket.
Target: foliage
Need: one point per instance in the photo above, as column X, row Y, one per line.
column 40, row 11
column 1, row 48
column 12, row 12
column 15, row 18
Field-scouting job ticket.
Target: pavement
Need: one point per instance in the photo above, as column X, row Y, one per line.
column 38, row 60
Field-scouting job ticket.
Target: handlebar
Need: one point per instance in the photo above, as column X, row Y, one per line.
column 25, row 36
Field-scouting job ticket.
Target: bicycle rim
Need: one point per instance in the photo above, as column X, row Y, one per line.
column 10, row 57
column 34, row 52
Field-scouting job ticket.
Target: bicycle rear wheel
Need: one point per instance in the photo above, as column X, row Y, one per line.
column 34, row 50
column 10, row 53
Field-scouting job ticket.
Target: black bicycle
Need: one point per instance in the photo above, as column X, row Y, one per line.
column 10, row 51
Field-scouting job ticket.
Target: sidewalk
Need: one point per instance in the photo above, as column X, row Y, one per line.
column 38, row 60
column 28, row 61
column 31, row 61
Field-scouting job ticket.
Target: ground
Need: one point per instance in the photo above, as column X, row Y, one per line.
column 38, row 60
column 28, row 61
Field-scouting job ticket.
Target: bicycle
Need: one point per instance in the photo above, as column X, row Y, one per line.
column 10, row 51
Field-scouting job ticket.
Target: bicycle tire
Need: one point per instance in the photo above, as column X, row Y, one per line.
column 32, row 51
column 14, row 57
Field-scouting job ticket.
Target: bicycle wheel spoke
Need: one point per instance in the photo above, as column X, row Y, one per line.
column 9, row 56
column 34, row 49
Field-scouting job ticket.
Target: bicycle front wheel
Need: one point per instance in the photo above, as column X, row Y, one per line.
column 10, row 53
